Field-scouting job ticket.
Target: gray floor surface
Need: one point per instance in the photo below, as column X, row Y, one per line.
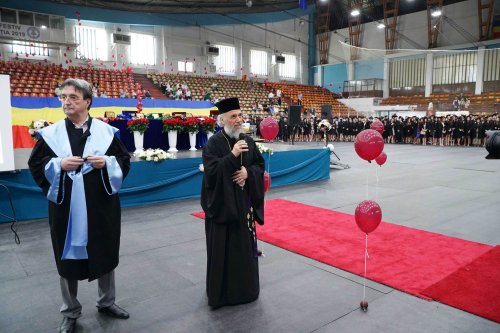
column 161, row 276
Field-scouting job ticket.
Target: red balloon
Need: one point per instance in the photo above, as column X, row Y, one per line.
column 378, row 126
column 368, row 215
column 368, row 144
column 381, row 158
column 269, row 128
column 267, row 181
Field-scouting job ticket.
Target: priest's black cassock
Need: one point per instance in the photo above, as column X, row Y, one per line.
column 230, row 215
column 103, row 210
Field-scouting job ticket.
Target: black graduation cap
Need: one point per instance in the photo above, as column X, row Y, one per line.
column 228, row 104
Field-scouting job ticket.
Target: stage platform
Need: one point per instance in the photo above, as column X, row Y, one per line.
column 161, row 276
column 175, row 179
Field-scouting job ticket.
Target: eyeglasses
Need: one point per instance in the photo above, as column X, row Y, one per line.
column 72, row 98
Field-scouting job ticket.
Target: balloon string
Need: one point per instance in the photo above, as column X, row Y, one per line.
column 366, row 187
column 265, row 200
column 364, row 276
column 376, row 185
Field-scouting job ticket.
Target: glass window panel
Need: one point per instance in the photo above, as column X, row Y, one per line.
column 41, row 20
column 225, row 62
column 181, row 66
column 92, row 43
column 184, row 66
column 288, row 69
column 57, row 22
column 258, row 60
column 8, row 15
column 31, row 48
column 25, row 18
column 142, row 49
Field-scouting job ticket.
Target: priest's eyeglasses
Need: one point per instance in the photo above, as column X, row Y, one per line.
column 72, row 98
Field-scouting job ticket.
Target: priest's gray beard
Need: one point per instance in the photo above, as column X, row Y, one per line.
column 233, row 132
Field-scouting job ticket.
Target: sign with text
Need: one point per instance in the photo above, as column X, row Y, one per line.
column 22, row 31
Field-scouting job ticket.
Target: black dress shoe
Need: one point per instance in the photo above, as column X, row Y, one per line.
column 114, row 311
column 67, row 325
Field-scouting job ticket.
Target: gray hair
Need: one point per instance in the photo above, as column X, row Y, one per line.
column 219, row 120
column 81, row 86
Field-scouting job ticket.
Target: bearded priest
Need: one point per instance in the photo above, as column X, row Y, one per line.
column 232, row 197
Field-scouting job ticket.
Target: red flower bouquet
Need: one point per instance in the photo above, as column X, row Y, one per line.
column 172, row 124
column 208, row 125
column 190, row 125
column 138, row 125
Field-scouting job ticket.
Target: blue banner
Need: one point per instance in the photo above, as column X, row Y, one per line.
column 150, row 182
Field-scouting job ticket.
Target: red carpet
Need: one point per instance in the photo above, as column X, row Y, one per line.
column 404, row 258
column 474, row 287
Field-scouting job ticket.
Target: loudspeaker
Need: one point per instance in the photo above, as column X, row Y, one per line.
column 326, row 112
column 294, row 115
column 493, row 144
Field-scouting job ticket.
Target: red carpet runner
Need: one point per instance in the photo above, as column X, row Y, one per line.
column 404, row 258
column 474, row 287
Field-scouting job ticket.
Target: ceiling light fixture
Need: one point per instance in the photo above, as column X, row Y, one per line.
column 249, row 3
column 355, row 12
column 436, row 12
column 381, row 25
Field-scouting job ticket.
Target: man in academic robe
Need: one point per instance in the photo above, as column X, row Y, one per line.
column 232, row 197
column 80, row 164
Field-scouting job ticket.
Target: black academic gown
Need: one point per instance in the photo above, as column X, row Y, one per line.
column 232, row 262
column 103, row 210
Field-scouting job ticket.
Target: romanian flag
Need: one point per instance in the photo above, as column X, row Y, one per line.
column 27, row 109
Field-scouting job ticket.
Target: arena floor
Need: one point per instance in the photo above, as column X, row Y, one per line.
column 161, row 277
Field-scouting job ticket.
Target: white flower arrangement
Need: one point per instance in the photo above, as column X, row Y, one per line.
column 263, row 149
column 324, row 125
column 153, row 155
column 37, row 125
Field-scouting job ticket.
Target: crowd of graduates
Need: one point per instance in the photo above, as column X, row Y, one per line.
column 450, row 130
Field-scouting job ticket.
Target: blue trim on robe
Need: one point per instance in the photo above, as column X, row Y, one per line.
column 101, row 137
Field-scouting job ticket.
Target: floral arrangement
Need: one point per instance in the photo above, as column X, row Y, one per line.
column 138, row 125
column 324, row 125
column 172, row 124
column 153, row 155
column 37, row 125
column 263, row 149
column 208, row 125
column 190, row 125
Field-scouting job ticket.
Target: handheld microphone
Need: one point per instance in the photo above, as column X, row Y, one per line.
column 242, row 137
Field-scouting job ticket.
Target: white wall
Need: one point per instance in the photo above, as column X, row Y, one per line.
column 6, row 145
column 179, row 43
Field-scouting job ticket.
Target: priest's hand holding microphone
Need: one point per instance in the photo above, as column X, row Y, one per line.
column 241, row 146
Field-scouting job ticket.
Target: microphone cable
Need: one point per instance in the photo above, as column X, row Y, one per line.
column 13, row 218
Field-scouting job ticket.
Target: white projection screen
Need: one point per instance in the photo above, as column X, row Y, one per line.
column 6, row 144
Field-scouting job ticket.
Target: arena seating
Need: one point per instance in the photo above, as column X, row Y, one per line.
column 247, row 91
column 40, row 80
column 312, row 96
column 487, row 102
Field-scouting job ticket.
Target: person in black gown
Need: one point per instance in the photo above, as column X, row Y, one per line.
column 80, row 164
column 232, row 197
